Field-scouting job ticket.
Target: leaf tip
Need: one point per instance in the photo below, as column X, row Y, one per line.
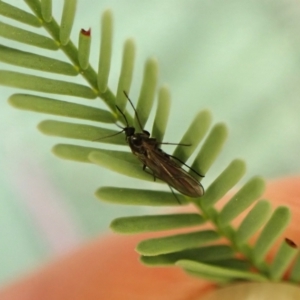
column 291, row 243
column 86, row 32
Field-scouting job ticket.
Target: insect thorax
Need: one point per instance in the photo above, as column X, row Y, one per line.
column 136, row 143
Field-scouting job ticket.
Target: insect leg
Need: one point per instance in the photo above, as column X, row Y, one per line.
column 174, row 144
column 154, row 177
column 144, row 169
column 175, row 195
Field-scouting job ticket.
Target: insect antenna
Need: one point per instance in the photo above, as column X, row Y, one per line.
column 108, row 136
column 135, row 112
column 123, row 129
column 118, row 108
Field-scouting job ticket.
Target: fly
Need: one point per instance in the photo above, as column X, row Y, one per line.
column 161, row 164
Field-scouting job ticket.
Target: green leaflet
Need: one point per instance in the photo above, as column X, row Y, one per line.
column 27, row 37
column 214, row 273
column 132, row 225
column 272, row 230
column 232, row 263
column 202, row 254
column 105, row 52
column 176, row 242
column 146, row 98
column 84, row 45
column 67, row 20
column 283, row 258
column 218, row 280
column 34, row 61
column 162, row 113
column 20, row 15
column 79, row 131
column 193, row 135
column 60, row 108
column 226, row 180
column 35, row 6
column 46, row 85
column 139, row 197
column 81, row 154
column 126, row 73
column 295, row 273
column 242, row 199
column 253, row 221
column 225, row 273
column 46, row 9
column 210, row 149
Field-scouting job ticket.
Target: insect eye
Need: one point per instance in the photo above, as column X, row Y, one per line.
column 129, row 131
column 146, row 132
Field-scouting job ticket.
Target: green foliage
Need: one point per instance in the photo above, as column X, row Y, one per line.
column 209, row 254
column 178, row 242
column 199, row 252
column 222, row 274
column 156, row 223
column 139, row 197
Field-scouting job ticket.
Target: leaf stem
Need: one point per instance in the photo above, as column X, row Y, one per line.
column 71, row 52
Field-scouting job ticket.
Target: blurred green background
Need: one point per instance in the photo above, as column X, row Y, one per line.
column 240, row 59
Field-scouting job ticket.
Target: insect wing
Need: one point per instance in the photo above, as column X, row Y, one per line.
column 166, row 169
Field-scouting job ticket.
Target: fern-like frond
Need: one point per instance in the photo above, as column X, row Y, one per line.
column 199, row 252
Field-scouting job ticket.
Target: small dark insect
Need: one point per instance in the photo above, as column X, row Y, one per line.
column 161, row 164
